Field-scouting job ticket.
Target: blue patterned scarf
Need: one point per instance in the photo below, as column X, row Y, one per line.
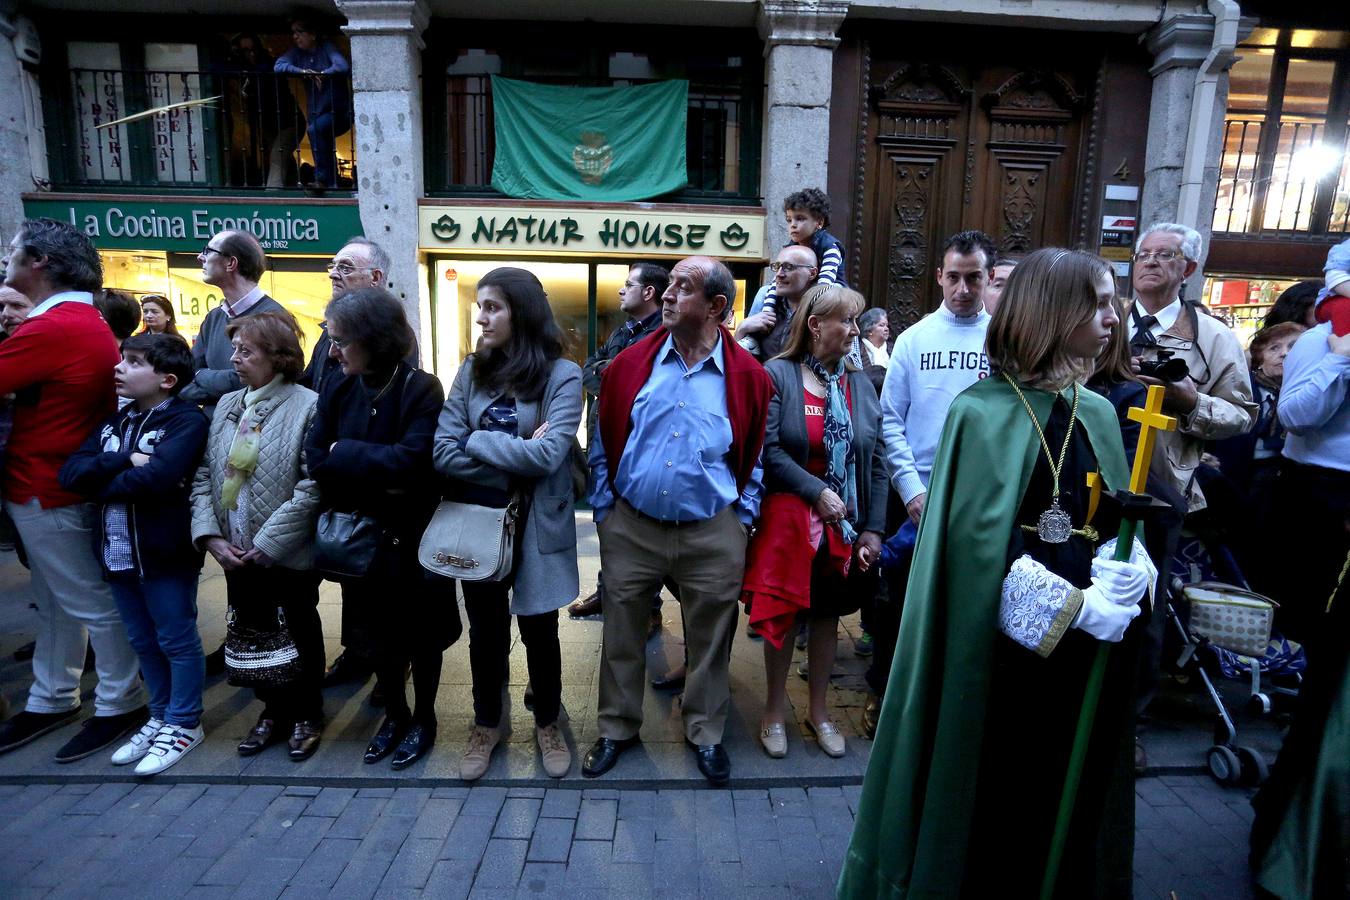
column 840, row 474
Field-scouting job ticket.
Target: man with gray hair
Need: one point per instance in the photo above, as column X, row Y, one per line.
column 60, row 367
column 361, row 263
column 1212, row 400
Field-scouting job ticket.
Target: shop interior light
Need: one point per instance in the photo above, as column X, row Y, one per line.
column 1314, row 162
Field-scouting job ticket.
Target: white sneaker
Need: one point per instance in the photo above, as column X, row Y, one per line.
column 169, row 746
column 139, row 745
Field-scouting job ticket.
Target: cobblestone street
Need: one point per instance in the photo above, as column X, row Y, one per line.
column 261, row 841
column 221, row 826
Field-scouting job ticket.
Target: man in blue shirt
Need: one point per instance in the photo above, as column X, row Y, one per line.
column 677, row 483
column 1314, row 479
column 640, row 298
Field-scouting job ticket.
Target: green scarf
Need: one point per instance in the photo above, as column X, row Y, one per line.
column 243, row 456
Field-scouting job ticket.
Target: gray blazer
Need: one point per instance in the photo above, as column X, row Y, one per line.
column 786, row 450
column 546, row 569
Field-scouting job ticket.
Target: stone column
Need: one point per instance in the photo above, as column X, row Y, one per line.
column 16, row 175
column 386, row 38
column 799, row 41
column 1180, row 45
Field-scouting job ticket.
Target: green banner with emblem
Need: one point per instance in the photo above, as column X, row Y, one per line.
column 584, row 143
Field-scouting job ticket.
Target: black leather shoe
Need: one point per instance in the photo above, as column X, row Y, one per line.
column 347, row 667
column 604, row 753
column 415, row 745
column 713, row 762
column 385, row 740
column 264, row 734
column 671, row 681
column 586, row 606
column 305, row 739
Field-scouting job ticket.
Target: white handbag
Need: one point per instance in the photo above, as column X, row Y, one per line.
column 470, row 542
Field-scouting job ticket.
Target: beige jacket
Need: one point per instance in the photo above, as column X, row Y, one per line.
column 283, row 501
column 1225, row 407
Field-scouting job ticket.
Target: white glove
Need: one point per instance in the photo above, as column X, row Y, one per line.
column 1138, row 557
column 1111, row 602
column 1127, row 580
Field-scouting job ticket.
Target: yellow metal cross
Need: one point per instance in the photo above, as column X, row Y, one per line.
column 1095, row 485
column 1151, row 420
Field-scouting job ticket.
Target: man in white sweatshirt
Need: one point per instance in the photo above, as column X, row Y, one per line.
column 932, row 361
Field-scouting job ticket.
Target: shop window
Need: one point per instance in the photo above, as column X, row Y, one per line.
column 455, row 307
column 299, row 284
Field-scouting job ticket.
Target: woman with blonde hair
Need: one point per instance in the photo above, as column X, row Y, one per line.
column 824, row 509
column 1010, row 598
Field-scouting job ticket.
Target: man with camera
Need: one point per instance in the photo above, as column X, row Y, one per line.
column 1194, row 356
column 1200, row 364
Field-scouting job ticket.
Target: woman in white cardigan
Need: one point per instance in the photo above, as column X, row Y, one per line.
column 254, row 508
column 508, row 427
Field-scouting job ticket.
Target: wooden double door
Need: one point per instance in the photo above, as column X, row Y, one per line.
column 998, row 147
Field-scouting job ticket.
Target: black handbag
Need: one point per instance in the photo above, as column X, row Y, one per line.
column 345, row 543
column 260, row 657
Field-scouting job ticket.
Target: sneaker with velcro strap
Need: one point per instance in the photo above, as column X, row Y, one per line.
column 169, row 746
column 139, row 744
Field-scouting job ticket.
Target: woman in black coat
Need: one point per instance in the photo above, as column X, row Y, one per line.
column 370, row 451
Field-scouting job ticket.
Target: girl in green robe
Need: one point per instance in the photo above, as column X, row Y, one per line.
column 1010, row 595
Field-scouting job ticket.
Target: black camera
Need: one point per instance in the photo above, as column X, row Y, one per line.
column 1164, row 367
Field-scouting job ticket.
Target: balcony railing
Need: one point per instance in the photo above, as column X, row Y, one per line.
column 263, row 131
column 1290, row 184
column 722, row 164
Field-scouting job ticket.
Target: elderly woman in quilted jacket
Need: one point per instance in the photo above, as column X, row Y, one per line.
column 254, row 507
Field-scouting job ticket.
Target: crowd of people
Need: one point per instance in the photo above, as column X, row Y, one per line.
column 803, row 466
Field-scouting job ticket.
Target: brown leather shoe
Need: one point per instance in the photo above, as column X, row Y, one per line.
column 264, row 734
column 305, row 739
column 586, row 606
column 870, row 714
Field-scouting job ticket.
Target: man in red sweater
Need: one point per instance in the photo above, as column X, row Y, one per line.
column 60, row 367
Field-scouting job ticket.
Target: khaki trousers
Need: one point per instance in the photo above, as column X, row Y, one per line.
column 707, row 560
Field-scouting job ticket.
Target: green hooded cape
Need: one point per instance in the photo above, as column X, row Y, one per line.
column 913, row 824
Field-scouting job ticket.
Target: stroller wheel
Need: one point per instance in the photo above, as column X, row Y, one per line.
column 1259, row 704
column 1254, row 768
column 1224, row 765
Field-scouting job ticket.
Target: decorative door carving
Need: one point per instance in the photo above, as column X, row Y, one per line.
column 954, row 147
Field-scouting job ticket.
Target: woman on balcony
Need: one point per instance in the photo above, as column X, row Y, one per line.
column 329, row 95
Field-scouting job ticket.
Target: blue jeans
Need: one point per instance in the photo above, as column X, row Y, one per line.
column 324, row 130
column 160, row 614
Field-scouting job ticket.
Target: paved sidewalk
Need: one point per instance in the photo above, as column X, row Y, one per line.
column 263, row 841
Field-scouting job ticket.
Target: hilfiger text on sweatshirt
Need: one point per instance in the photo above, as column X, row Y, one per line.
column 963, row 360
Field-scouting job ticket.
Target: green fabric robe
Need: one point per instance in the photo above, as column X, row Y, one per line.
column 913, row 824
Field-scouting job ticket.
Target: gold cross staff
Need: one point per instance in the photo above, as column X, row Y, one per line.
column 1151, row 420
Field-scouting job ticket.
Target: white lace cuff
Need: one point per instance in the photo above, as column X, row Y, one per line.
column 1138, row 556
column 1037, row 606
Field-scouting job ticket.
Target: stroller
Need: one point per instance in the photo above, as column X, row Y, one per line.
column 1228, row 633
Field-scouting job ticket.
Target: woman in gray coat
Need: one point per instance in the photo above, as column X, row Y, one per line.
column 507, row 428
column 824, row 510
